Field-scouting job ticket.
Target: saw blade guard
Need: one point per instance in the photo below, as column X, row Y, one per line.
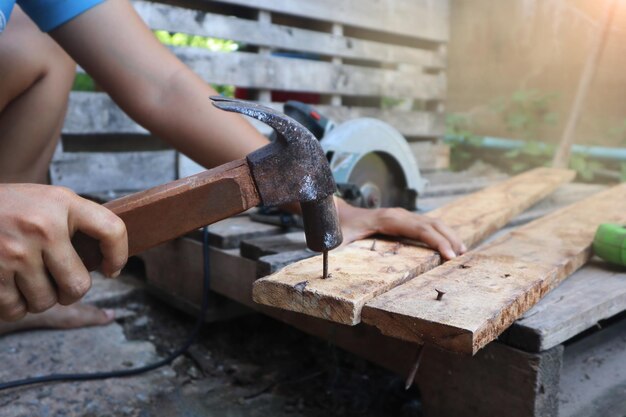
column 377, row 159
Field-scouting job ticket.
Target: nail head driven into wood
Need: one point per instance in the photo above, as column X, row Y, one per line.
column 482, row 301
column 366, row 268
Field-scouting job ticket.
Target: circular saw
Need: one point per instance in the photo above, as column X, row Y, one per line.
column 371, row 161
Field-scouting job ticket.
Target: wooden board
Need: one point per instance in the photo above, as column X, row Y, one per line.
column 97, row 113
column 232, row 276
column 499, row 381
column 595, row 292
column 488, row 289
column 88, row 172
column 423, row 19
column 360, row 273
column 272, row 35
column 251, row 70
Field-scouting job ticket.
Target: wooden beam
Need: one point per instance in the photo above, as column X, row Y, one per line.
column 488, row 289
column 419, row 19
column 232, row 276
column 251, row 32
column 499, row 381
column 367, row 268
column 594, row 293
column 252, row 70
column 90, row 113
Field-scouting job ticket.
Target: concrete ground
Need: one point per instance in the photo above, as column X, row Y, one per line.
column 250, row 366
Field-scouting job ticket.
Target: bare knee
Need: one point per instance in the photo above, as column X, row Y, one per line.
column 28, row 56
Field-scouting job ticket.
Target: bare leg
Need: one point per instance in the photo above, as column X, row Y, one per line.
column 35, row 79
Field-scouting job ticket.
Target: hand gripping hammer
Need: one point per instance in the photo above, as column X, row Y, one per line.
column 293, row 168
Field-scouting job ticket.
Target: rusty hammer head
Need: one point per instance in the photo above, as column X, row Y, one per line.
column 292, row 168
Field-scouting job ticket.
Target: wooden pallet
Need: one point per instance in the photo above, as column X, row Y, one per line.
column 546, row 364
column 361, row 58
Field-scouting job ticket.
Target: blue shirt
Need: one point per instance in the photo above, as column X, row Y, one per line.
column 47, row 14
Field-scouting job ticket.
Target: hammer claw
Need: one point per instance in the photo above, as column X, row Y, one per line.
column 286, row 127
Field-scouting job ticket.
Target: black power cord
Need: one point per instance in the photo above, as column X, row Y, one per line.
column 135, row 371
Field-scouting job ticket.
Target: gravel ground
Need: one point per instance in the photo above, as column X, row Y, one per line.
column 249, row 366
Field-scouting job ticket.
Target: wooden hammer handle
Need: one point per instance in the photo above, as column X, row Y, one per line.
column 170, row 210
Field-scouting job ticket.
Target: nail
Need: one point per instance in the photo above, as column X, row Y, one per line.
column 373, row 245
column 439, row 294
column 115, row 274
column 109, row 313
column 416, row 365
column 396, row 248
column 463, row 248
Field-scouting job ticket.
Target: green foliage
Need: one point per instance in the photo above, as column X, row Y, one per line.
column 83, row 82
column 195, row 41
column 584, row 166
column 526, row 113
column 458, row 126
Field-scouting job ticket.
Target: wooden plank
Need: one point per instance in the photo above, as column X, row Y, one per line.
column 421, row 19
column 499, row 381
column 274, row 263
column 252, row 70
column 90, row 113
column 232, row 276
column 596, row 292
column 259, row 71
column 86, row 172
column 593, row 379
column 229, row 233
column 251, row 32
column 360, row 273
column 489, row 288
column 270, row 245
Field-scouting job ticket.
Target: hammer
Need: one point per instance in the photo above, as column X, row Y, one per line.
column 292, row 168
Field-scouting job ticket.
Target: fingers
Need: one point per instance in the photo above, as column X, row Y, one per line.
column 36, row 288
column 400, row 222
column 457, row 245
column 436, row 240
column 102, row 224
column 70, row 275
column 12, row 304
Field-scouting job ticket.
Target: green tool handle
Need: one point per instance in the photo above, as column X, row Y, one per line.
column 609, row 243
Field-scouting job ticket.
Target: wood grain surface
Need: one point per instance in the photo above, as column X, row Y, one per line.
column 488, row 289
column 364, row 269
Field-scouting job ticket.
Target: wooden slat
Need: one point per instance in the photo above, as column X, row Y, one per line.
column 94, row 113
column 86, row 172
column 488, row 289
column 232, row 276
column 229, row 233
column 360, row 273
column 259, row 71
column 594, row 293
column 256, row 248
column 251, row 70
column 498, row 382
column 177, row 19
column 420, row 19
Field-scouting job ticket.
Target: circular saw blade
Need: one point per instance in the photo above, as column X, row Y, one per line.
column 380, row 179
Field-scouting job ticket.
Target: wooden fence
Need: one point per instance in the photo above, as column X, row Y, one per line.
column 354, row 57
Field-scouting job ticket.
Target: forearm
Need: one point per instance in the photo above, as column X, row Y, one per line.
column 150, row 84
column 185, row 118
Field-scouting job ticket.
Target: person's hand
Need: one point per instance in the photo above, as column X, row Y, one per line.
column 38, row 264
column 358, row 223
